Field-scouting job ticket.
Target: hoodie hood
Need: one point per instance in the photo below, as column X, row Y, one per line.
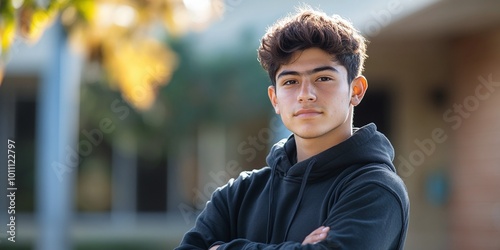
column 365, row 146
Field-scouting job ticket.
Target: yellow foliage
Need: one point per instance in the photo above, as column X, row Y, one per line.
column 1, row 73
column 7, row 34
column 34, row 21
column 138, row 67
column 117, row 33
column 86, row 8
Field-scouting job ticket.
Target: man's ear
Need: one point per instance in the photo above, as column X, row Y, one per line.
column 358, row 89
column 271, row 91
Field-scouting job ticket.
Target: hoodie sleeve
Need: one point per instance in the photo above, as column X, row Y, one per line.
column 212, row 225
column 246, row 244
column 369, row 216
column 366, row 215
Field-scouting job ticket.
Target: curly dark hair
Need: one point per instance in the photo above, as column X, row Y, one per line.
column 307, row 29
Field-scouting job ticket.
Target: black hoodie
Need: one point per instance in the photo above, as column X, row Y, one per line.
column 352, row 187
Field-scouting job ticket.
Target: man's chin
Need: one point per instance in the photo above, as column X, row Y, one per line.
column 307, row 134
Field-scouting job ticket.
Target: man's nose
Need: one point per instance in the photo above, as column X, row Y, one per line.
column 307, row 92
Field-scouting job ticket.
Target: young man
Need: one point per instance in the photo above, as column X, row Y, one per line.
column 328, row 186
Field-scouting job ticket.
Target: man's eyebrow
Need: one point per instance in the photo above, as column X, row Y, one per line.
column 316, row 70
column 309, row 72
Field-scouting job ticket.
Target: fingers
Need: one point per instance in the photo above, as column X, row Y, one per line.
column 317, row 235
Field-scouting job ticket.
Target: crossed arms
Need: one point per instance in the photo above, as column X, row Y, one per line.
column 316, row 236
column 368, row 217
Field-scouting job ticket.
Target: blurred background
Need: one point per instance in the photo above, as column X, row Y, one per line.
column 127, row 114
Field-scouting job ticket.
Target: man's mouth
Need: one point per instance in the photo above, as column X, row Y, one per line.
column 306, row 113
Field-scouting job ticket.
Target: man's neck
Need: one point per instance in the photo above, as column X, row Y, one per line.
column 308, row 147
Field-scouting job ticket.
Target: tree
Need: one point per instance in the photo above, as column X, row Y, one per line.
column 122, row 36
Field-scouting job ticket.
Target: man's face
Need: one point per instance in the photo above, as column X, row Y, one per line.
column 312, row 95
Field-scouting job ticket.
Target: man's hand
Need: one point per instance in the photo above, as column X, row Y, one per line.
column 317, row 235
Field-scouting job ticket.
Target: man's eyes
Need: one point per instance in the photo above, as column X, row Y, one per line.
column 324, row 79
column 290, row 82
column 319, row 79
